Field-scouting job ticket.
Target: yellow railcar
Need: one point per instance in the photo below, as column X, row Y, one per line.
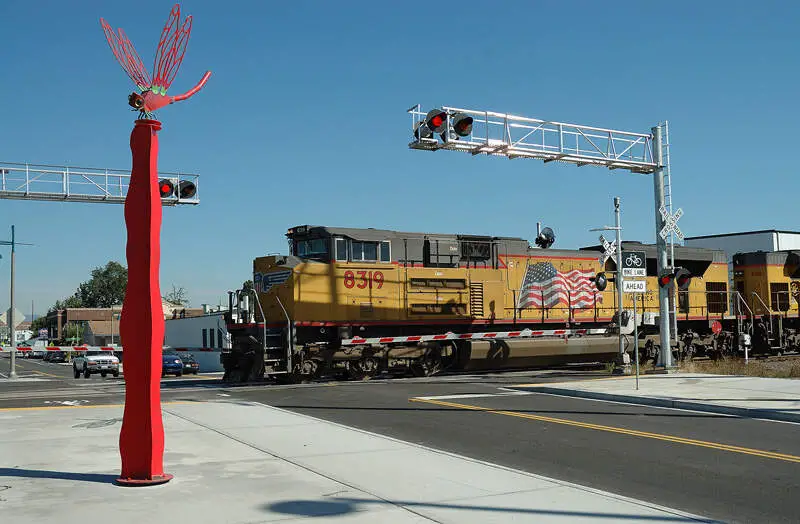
column 365, row 300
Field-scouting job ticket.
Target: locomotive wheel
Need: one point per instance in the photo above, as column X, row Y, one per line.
column 428, row 365
column 364, row 369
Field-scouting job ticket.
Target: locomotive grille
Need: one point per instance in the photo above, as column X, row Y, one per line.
column 476, row 299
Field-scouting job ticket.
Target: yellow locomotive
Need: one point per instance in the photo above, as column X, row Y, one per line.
column 357, row 302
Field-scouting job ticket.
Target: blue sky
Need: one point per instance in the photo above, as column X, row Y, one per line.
column 303, row 122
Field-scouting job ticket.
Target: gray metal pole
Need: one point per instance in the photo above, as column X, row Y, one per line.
column 665, row 355
column 636, row 341
column 12, row 372
column 619, row 278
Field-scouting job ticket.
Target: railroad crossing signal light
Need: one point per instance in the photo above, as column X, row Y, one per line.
column 600, row 281
column 165, row 188
column 462, row 124
column 421, row 130
column 681, row 276
column 436, row 120
column 186, row 189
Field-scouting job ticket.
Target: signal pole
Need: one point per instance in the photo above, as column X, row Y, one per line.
column 12, row 374
column 665, row 355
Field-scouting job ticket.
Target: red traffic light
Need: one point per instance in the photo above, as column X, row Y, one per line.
column 165, row 188
column 436, row 119
column 683, row 277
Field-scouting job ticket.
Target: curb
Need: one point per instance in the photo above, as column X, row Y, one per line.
column 769, row 414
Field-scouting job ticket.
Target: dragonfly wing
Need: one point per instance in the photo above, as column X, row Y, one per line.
column 126, row 55
column 171, row 48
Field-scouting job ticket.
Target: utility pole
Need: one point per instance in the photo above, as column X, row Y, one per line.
column 13, row 243
column 620, row 308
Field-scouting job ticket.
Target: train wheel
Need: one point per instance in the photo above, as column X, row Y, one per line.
column 428, row 365
column 364, row 369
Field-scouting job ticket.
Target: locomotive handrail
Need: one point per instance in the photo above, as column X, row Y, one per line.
column 289, row 335
column 258, row 301
column 742, row 302
column 766, row 309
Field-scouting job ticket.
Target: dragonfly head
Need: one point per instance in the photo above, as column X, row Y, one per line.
column 136, row 101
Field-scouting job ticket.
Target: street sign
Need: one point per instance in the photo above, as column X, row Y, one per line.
column 634, row 286
column 609, row 248
column 634, row 264
column 670, row 223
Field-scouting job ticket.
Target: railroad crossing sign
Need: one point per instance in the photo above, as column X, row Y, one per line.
column 609, row 248
column 670, row 223
column 634, row 264
column 634, row 286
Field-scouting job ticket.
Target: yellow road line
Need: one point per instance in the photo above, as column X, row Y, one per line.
column 612, row 429
column 46, row 374
column 85, row 406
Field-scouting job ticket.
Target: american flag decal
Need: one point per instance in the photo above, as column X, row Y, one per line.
column 263, row 282
column 545, row 286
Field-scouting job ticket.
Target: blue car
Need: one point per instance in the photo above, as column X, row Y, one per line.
column 171, row 364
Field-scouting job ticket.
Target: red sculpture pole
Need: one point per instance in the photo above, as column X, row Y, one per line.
column 141, row 439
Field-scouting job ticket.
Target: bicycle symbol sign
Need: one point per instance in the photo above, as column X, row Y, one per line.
column 634, row 264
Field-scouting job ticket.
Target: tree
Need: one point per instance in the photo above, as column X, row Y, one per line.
column 247, row 285
column 177, row 296
column 106, row 287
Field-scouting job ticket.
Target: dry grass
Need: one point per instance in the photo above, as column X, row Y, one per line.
column 780, row 367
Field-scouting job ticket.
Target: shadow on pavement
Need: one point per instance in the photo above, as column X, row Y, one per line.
column 58, row 475
column 343, row 506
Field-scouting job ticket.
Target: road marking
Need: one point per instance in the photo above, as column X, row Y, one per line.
column 46, row 374
column 612, row 429
column 477, row 395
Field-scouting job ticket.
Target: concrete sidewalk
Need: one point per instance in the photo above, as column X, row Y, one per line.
column 249, row 463
column 767, row 398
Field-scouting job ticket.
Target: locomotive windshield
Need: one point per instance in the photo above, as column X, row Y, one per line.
column 314, row 248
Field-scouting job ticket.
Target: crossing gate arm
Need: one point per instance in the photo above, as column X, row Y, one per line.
column 493, row 335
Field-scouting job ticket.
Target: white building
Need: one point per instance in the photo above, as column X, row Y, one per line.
column 203, row 336
column 732, row 243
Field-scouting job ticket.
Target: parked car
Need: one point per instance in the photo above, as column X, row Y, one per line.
column 55, row 356
column 190, row 364
column 96, row 361
column 171, row 364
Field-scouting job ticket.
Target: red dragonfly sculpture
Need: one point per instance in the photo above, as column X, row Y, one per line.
column 171, row 48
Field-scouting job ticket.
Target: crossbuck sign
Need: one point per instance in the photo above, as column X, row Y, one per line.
column 609, row 248
column 670, row 223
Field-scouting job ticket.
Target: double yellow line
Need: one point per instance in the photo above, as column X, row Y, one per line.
column 612, row 429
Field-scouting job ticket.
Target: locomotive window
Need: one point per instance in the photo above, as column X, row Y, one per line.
column 341, row 249
column 316, row 248
column 370, row 251
column 716, row 297
column 779, row 296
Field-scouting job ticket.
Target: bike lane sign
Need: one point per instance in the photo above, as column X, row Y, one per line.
column 634, row 264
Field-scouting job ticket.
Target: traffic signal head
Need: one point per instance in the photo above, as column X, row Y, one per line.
column 462, row 124
column 186, row 189
column 421, row 131
column 165, row 187
column 436, row 120
column 683, row 277
column 600, row 281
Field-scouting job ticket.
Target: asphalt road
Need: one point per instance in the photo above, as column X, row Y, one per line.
column 732, row 469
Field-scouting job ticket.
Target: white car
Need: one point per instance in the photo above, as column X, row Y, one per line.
column 92, row 362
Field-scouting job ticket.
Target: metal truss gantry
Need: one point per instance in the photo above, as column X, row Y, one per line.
column 501, row 134
column 511, row 136
column 80, row 184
